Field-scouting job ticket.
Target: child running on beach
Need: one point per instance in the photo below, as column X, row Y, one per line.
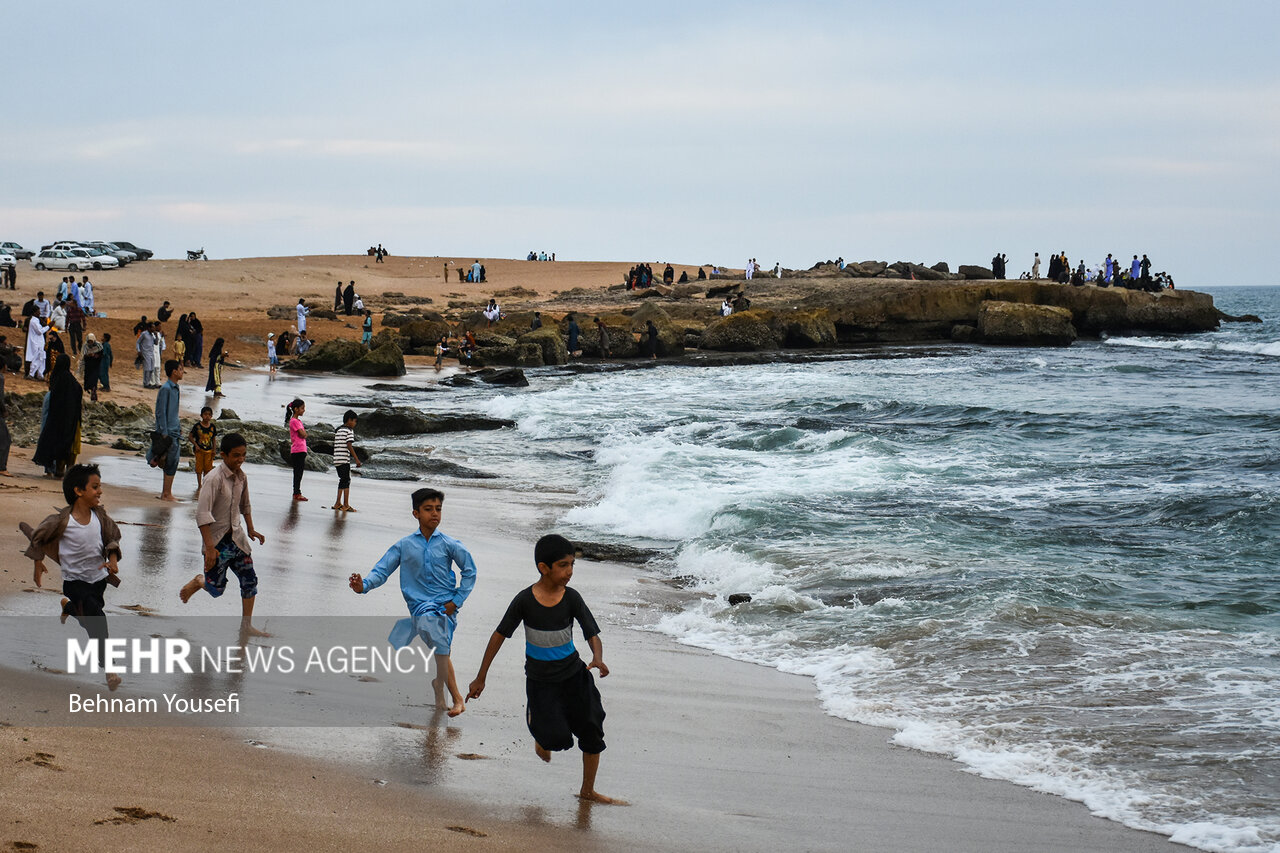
column 344, row 450
column 204, row 433
column 426, row 558
column 563, row 699
column 85, row 543
column 225, row 543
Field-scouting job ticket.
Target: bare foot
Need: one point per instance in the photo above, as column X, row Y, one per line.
column 171, row 499
column 457, row 709
column 543, row 752
column 349, row 508
column 113, row 681
column 594, row 797
column 63, row 618
column 250, row 631
column 190, row 587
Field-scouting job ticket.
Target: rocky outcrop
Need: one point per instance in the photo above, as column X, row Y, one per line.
column 1021, row 324
column 386, row 360
column 889, row 311
column 670, row 335
column 748, row 331
column 976, row 273
column 516, row 355
column 804, row 329
column 549, row 342
column 331, row 355
column 406, row 421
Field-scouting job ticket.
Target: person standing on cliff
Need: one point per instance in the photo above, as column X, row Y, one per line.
column 303, row 311
column 1035, row 267
column 1145, row 266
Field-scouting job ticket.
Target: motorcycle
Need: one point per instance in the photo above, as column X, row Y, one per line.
column 197, row 255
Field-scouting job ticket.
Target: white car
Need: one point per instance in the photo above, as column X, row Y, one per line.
column 7, row 260
column 58, row 259
column 96, row 258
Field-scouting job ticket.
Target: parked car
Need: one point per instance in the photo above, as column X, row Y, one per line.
column 16, row 250
column 58, row 259
column 7, row 259
column 143, row 254
column 96, row 258
column 124, row 255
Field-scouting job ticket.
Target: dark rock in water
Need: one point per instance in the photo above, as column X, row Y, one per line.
column 962, row 333
column 513, row 377
column 740, row 598
column 747, row 331
column 315, row 462
column 398, row 465
column 975, row 273
column 605, row 552
column 1025, row 325
column 1243, row 318
column 460, row 380
column 402, row 389
column 386, row 360
column 370, row 402
column 228, row 415
column 519, row 355
column 405, row 421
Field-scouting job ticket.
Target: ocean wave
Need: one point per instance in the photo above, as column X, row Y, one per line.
column 1267, row 348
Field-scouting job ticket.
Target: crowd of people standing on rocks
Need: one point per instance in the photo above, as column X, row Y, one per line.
column 1111, row 272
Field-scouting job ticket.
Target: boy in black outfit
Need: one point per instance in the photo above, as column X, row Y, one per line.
column 563, row 699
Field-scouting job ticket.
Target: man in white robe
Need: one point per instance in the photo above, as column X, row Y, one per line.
column 35, row 347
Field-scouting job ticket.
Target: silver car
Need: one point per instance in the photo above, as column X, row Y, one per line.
column 96, row 258
column 59, row 259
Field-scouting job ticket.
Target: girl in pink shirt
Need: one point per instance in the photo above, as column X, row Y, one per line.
column 297, row 444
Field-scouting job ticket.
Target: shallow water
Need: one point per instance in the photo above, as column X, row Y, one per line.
column 1056, row 566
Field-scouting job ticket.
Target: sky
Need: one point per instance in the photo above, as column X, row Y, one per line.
column 695, row 132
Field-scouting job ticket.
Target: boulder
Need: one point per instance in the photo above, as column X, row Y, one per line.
column 518, row 355
column 923, row 273
column 872, row 268
column 386, row 360
column 424, row 334
column 622, row 343
column 687, row 291
column 962, row 333
column 228, row 415
column 856, row 270
column 670, row 335
column 549, row 340
column 975, row 273
column 512, row 377
column 401, row 420
column 282, row 312
column 941, row 266
column 805, row 329
column 747, row 331
column 333, row 354
column 1025, row 325
column 322, row 314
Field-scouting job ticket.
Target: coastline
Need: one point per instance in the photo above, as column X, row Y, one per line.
column 714, row 754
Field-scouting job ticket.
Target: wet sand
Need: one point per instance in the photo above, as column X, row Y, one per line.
column 714, row 754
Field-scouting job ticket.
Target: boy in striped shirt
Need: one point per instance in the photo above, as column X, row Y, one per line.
column 344, row 450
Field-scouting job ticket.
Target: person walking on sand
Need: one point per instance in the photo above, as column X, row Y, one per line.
column 203, row 435
column 563, row 700
column 432, row 591
column 36, row 331
column 217, row 358
column 91, row 365
column 224, row 543
column 167, row 423
column 107, row 358
column 297, row 443
column 85, row 543
column 58, row 444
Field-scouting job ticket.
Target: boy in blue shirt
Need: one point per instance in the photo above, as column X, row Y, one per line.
column 563, row 701
column 426, row 558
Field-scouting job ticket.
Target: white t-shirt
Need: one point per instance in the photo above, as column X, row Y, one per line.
column 341, row 455
column 80, row 551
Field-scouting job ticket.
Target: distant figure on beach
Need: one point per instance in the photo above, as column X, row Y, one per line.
column 726, row 307
column 348, row 298
column 344, row 450
column 1108, row 269
column 574, row 332
column 1035, row 266
column 337, row 298
column 6, row 440
column 1145, row 268
column 702, row 274
column 668, row 275
column 750, row 269
column 167, row 424
column 777, row 269
column 684, row 277
column 104, row 376
column 840, row 263
column 604, row 338
column 91, row 365
column 563, row 700
column 651, row 331
column 224, row 543
column 477, row 271
column 492, row 313
column 217, row 358
column 203, row 437
column 35, row 353
column 366, row 335
column 273, row 359
column 164, row 312
column 303, row 311
column 536, row 323
column 196, row 345
column 147, row 352
column 1135, row 269
column 297, row 443
column 431, row 590
column 58, row 444
column 85, row 543
column 442, row 346
column 379, row 253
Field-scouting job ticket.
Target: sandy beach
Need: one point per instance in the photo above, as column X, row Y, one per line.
column 713, row 754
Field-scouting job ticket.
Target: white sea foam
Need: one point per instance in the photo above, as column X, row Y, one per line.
column 1267, row 348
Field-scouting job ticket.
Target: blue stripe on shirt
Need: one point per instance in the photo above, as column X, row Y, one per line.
column 555, row 653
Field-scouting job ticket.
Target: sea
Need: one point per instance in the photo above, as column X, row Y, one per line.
column 1057, row 567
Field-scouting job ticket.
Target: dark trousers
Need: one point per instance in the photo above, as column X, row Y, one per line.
column 5, row 442
column 76, row 331
column 299, row 461
column 84, row 604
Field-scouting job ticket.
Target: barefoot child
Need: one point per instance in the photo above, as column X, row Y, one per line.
column 344, row 450
column 426, row 558
column 562, row 695
column 85, row 542
column 225, row 542
column 204, row 433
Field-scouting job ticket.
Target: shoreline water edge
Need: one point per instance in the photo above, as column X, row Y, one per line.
column 1045, row 564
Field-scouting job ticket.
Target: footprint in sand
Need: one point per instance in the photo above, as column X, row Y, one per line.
column 137, row 608
column 472, row 756
column 23, row 845
column 466, row 830
column 133, row 814
column 41, row 759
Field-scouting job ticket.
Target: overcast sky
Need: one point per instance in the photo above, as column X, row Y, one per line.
column 694, row 132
